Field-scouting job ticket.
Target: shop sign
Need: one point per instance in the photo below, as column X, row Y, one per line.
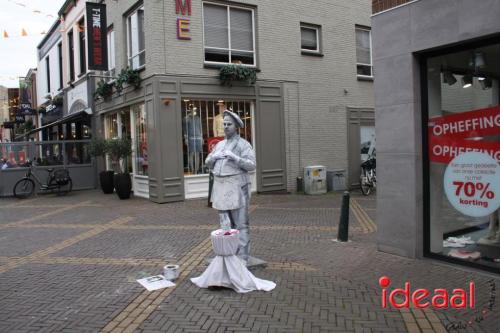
column 8, row 124
column 452, row 135
column 96, row 34
column 472, row 184
column 183, row 7
column 26, row 110
column 20, row 118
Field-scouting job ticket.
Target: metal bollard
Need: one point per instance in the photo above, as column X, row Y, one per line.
column 210, row 185
column 343, row 231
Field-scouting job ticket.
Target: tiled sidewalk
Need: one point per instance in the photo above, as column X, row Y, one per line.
column 69, row 264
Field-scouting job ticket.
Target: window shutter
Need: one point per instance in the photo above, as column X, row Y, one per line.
column 241, row 29
column 308, row 39
column 215, row 26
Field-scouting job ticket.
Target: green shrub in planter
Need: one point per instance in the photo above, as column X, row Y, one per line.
column 121, row 149
column 103, row 90
column 98, row 148
column 129, row 76
column 233, row 73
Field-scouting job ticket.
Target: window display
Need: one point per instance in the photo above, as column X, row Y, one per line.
column 463, row 132
column 202, row 128
column 140, row 141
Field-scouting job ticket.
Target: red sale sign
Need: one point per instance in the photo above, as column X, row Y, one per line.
column 475, row 123
column 443, row 150
column 455, row 134
column 213, row 141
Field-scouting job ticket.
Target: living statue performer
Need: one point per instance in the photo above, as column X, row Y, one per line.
column 230, row 162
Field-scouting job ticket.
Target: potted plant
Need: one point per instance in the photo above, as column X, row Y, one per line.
column 57, row 101
column 99, row 148
column 230, row 73
column 129, row 76
column 120, row 149
column 103, row 90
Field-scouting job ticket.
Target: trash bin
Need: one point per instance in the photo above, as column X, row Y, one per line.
column 315, row 179
column 336, row 180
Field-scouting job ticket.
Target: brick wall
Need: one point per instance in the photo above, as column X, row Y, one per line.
column 381, row 5
column 318, row 89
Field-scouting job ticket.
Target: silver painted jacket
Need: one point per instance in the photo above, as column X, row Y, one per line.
column 226, row 167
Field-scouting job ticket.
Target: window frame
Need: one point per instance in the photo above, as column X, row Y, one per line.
column 82, row 42
column 110, row 40
column 47, row 70
column 60, row 64
column 369, row 30
column 128, row 43
column 317, row 28
column 229, row 49
column 71, row 55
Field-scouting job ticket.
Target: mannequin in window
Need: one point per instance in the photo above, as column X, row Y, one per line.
column 493, row 236
column 193, row 140
column 219, row 121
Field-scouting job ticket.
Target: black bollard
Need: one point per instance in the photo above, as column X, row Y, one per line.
column 343, row 232
column 210, row 185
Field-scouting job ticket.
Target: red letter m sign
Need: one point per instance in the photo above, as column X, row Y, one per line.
column 183, row 6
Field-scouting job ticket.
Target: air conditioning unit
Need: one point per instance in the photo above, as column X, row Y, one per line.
column 315, row 179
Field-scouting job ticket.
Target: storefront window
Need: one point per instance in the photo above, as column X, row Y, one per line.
column 117, row 125
column 463, row 152
column 202, row 128
column 111, row 123
column 141, row 142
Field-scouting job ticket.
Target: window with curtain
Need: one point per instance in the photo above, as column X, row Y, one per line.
column 135, row 39
column 310, row 38
column 363, row 52
column 228, row 34
column 140, row 140
column 81, row 46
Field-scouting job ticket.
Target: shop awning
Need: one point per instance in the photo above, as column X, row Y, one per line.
column 66, row 119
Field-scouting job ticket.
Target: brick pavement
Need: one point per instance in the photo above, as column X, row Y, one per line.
column 69, row 264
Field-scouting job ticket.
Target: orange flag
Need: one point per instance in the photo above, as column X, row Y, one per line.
column 5, row 34
column 24, row 33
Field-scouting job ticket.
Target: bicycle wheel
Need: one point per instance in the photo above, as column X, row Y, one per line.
column 364, row 183
column 24, row 188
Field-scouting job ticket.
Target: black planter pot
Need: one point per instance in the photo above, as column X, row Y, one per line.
column 107, row 181
column 123, row 185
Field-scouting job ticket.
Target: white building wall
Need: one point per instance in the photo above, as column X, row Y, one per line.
column 42, row 88
column 71, row 23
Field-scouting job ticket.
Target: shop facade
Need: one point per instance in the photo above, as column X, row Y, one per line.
column 438, row 131
column 310, row 84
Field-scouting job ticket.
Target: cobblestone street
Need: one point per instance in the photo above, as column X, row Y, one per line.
column 70, row 264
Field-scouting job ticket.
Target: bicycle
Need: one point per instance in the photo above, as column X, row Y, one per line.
column 58, row 181
column 368, row 178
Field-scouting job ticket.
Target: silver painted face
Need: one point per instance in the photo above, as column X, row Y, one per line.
column 229, row 126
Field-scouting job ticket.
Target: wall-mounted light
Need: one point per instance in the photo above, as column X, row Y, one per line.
column 467, row 81
column 486, row 83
